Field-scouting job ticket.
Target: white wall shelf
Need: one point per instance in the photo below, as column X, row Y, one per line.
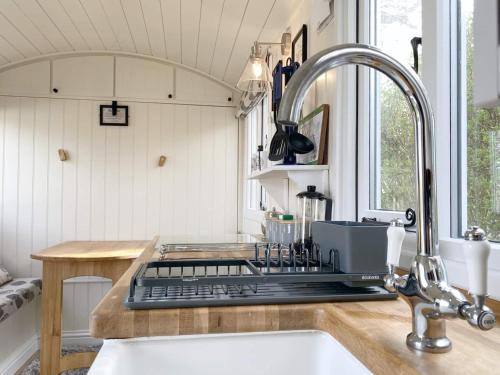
column 278, row 179
column 284, row 171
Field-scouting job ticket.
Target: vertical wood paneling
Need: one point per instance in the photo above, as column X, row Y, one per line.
column 40, row 179
column 167, row 172
column 2, row 163
column 112, row 182
column 154, row 171
column 55, row 175
column 10, row 182
column 68, row 306
column 140, row 165
column 84, row 170
column 111, row 187
column 69, row 170
column 207, row 174
column 97, row 216
column 25, row 205
column 125, row 217
column 79, row 308
column 231, row 178
column 194, row 172
column 219, row 180
column 180, row 155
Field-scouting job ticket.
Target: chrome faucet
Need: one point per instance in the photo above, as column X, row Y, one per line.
column 425, row 288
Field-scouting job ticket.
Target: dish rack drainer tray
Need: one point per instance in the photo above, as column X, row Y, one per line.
column 279, row 276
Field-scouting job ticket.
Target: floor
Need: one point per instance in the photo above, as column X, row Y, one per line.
column 33, row 367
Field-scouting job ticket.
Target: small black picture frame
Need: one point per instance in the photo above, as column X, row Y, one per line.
column 299, row 46
column 107, row 118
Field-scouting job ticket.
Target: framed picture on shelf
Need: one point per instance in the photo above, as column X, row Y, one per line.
column 315, row 127
column 299, row 46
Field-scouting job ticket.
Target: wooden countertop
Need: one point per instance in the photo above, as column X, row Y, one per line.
column 92, row 251
column 374, row 331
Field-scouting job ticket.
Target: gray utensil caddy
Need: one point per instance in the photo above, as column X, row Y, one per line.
column 357, row 247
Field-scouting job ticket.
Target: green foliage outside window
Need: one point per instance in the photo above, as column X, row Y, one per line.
column 483, row 157
column 397, row 168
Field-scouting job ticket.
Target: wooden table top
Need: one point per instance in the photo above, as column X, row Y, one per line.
column 92, row 251
column 374, row 331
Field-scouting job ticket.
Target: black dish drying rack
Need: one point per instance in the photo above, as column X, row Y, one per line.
column 276, row 274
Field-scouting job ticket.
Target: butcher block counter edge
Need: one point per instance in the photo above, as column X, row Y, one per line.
column 374, row 331
column 88, row 251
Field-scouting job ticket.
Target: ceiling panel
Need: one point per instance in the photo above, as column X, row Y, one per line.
column 16, row 38
column 154, row 26
column 211, row 12
column 83, row 23
column 232, row 15
column 115, row 15
column 63, row 22
column 171, row 10
column 250, row 30
column 135, row 20
column 101, row 23
column 15, row 15
column 32, row 10
column 190, row 26
column 213, row 36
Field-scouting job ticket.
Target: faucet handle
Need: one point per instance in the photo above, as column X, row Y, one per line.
column 395, row 236
column 476, row 250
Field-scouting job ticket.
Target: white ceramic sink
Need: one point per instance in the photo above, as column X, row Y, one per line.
column 276, row 353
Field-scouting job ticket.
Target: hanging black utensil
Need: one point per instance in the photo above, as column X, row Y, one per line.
column 299, row 143
column 279, row 142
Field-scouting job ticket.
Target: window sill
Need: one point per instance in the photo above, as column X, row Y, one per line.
column 451, row 253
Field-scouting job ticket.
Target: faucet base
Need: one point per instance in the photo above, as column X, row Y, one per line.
column 428, row 344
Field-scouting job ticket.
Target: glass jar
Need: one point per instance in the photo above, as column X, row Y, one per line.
column 311, row 206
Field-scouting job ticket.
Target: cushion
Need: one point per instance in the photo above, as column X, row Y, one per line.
column 4, row 275
column 17, row 293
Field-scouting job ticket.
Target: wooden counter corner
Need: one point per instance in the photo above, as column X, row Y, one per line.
column 374, row 331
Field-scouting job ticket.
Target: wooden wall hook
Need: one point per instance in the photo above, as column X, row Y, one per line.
column 162, row 160
column 63, row 154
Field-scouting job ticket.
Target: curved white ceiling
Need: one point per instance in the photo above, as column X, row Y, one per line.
column 213, row 36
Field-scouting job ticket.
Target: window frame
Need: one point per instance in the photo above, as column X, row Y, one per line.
column 437, row 40
column 441, row 33
column 258, row 112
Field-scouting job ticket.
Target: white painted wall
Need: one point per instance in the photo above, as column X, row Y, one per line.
column 336, row 88
column 111, row 187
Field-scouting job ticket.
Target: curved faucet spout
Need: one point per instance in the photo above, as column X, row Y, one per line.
column 415, row 93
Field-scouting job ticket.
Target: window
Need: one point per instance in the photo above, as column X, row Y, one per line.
column 256, row 197
column 481, row 149
column 392, row 183
column 467, row 138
